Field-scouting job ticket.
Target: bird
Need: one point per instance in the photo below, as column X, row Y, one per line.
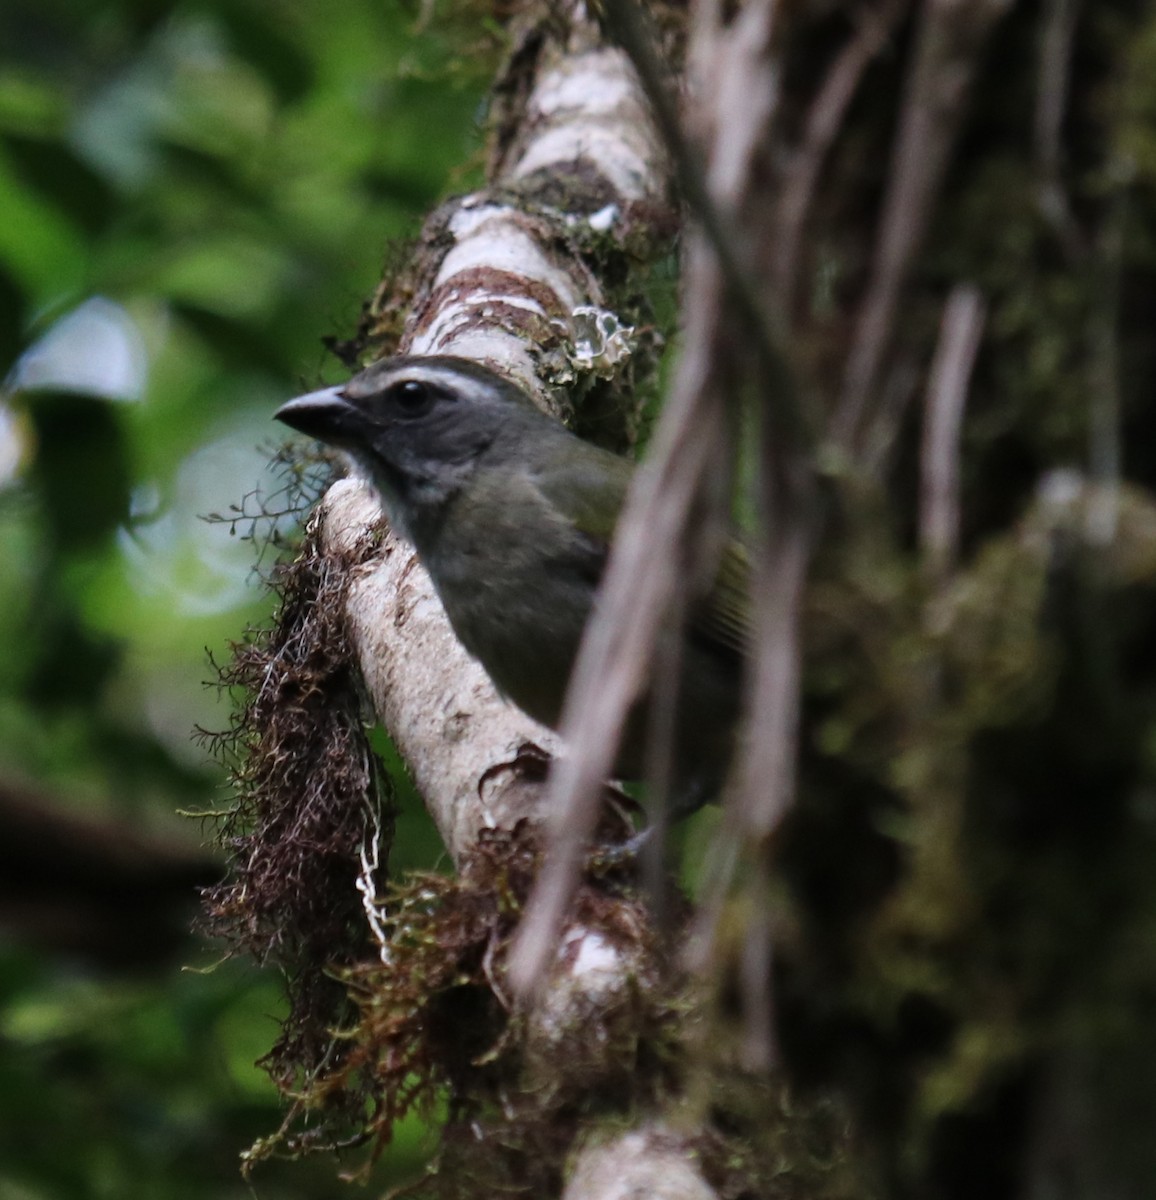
column 512, row 516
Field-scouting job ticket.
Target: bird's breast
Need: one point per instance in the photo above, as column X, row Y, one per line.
column 516, row 607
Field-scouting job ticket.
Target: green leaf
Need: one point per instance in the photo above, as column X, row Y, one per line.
column 64, row 179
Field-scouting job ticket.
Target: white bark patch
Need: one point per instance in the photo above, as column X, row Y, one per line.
column 493, row 238
column 500, row 242
column 624, row 164
column 652, row 1162
column 589, row 107
column 468, row 314
column 604, row 218
column 591, row 975
column 591, row 955
column 598, row 83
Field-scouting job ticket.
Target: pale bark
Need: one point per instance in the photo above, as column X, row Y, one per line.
column 494, row 277
column 651, row 1162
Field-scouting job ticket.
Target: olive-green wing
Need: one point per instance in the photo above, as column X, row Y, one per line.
column 585, row 487
column 722, row 618
column 588, row 490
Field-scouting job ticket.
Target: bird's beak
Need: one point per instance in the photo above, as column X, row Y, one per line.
column 326, row 415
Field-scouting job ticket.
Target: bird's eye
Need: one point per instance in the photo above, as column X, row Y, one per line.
column 413, row 397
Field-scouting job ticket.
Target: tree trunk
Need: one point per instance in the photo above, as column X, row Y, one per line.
column 923, row 965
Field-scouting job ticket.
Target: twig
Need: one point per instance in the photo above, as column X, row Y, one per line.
column 721, row 866
column 630, row 28
column 1104, row 452
column 1059, row 27
column 959, row 338
column 880, row 435
column 1055, row 69
column 768, row 771
column 617, row 649
column 822, row 124
column 660, row 746
column 756, row 979
column 951, row 36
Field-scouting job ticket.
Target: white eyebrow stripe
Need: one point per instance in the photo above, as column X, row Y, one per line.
column 419, row 372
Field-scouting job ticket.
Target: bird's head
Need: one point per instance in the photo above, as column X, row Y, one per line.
column 416, row 428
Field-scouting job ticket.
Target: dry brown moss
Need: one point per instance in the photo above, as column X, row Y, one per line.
column 308, row 798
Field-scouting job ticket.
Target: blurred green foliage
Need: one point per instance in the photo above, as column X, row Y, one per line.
column 191, row 195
